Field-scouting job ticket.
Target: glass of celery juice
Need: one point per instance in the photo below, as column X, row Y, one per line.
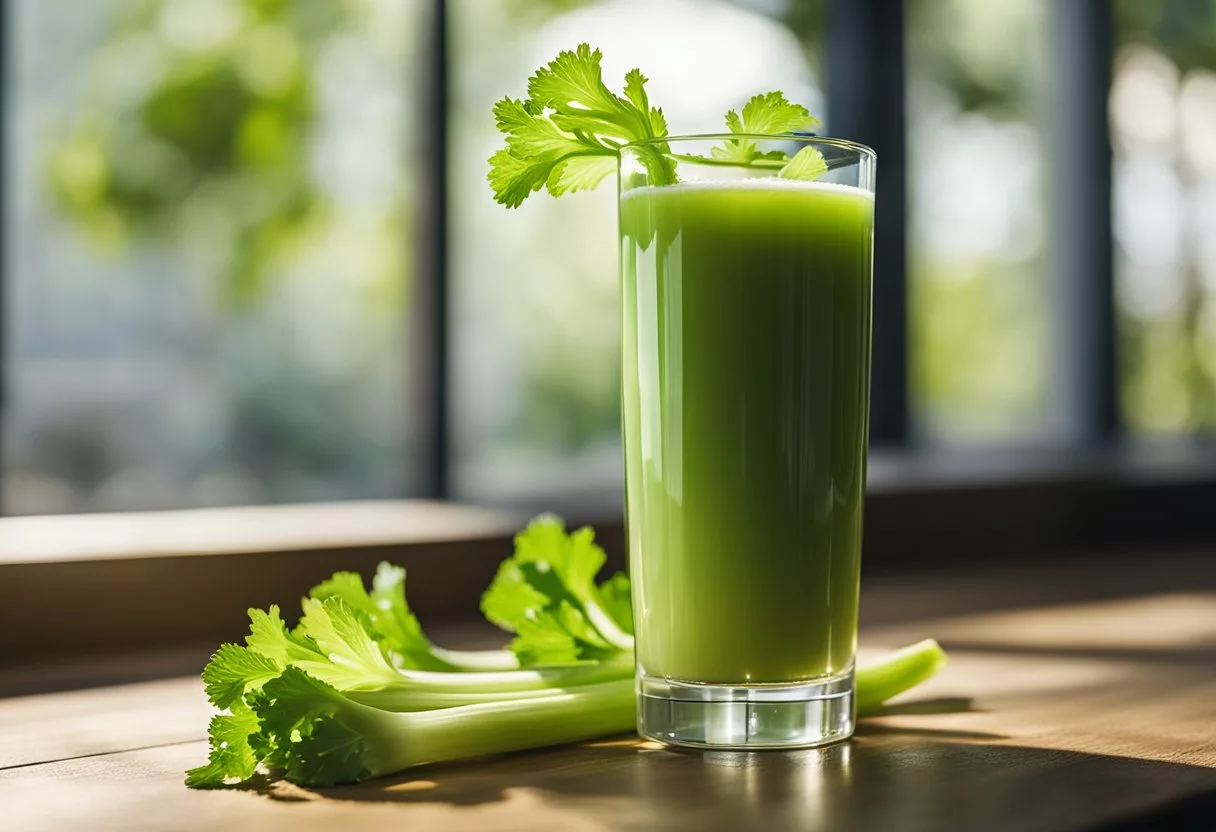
column 745, row 302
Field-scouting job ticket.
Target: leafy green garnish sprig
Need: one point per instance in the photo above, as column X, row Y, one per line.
column 566, row 136
column 568, row 133
column 771, row 114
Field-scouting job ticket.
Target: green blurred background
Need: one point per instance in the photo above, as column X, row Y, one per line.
column 211, row 207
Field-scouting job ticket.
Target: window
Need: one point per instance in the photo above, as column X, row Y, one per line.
column 977, row 271
column 1163, row 128
column 230, row 223
column 209, row 219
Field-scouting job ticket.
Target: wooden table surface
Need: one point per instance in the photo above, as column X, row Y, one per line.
column 1080, row 695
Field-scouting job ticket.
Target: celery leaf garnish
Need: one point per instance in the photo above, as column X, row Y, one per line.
column 567, row 134
column 807, row 163
column 771, row 114
column 766, row 114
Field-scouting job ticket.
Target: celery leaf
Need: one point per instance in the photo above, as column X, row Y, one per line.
column 807, row 163
column 546, row 594
column 231, row 758
column 567, row 134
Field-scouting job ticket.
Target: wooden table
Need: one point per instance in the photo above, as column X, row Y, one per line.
column 1081, row 695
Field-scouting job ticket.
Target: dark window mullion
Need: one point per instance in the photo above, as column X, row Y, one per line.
column 865, row 84
column 1081, row 347
column 428, row 294
column 6, row 199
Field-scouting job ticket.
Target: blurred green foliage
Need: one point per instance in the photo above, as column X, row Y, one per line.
column 1167, row 362
column 976, row 332
column 1184, row 29
column 195, row 133
column 208, row 147
column 251, row 331
column 977, row 339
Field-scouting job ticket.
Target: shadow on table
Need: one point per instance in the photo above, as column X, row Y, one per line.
column 921, row 707
column 886, row 778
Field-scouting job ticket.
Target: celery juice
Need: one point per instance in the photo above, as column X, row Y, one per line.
column 746, row 330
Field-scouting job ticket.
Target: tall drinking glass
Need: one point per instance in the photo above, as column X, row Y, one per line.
column 745, row 301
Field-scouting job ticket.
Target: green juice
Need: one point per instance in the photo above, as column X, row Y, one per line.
column 746, row 351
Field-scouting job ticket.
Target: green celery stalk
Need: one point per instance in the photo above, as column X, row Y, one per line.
column 400, row 741
column 897, row 672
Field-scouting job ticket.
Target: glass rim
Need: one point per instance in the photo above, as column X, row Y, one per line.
column 844, row 144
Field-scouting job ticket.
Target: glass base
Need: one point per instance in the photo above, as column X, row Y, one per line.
column 759, row 716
